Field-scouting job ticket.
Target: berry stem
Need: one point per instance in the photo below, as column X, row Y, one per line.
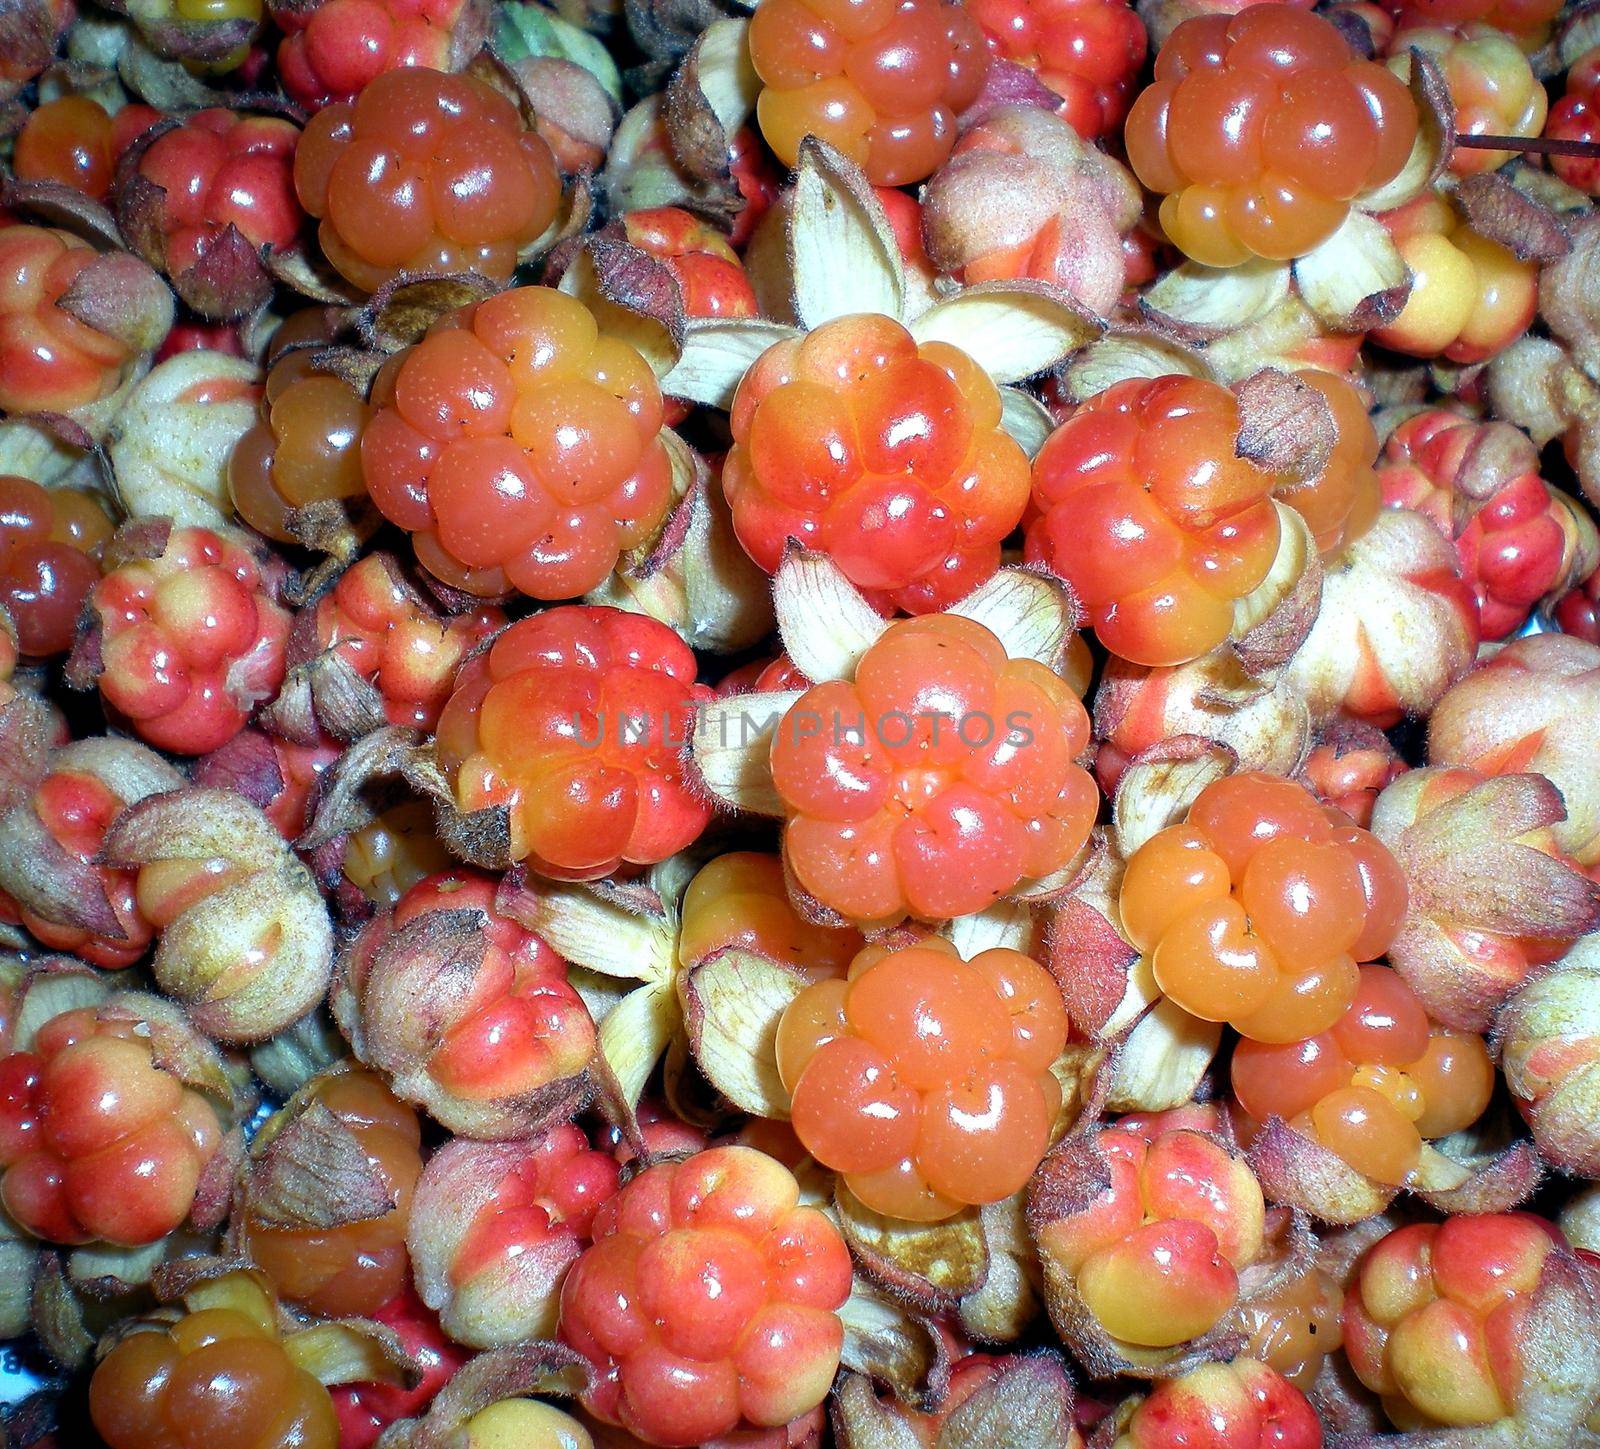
column 1533, row 145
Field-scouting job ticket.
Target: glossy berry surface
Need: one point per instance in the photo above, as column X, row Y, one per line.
column 705, row 266
column 886, row 455
column 1431, row 1321
column 218, row 1378
column 306, row 448
column 1576, row 117
column 190, row 640
column 520, row 447
column 425, row 172
column 219, row 169
column 333, row 51
column 883, row 82
column 574, row 722
column 356, row 1267
column 741, row 900
column 1257, row 910
column 1258, row 131
column 1376, row 1086
column 72, row 140
column 1578, row 610
column 50, row 545
column 1142, row 503
column 1528, row 20
column 98, row 1142
column 1236, row 1405
column 1350, row 777
column 50, row 361
column 937, row 782
column 497, row 1226
column 387, row 633
column 1156, row 1254
column 1295, row 1328
column 1512, row 545
column 1088, row 52
column 1470, row 297
column 923, row 1079
column 707, row 1300
column 1491, row 83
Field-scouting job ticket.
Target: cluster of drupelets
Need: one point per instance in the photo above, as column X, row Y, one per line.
column 862, row 722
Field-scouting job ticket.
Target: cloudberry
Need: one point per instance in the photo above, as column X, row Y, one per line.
column 1375, row 1086
column 73, row 141
column 1143, row 504
column 520, row 447
column 1220, row 1406
column 386, row 632
column 925, row 1079
column 740, row 900
column 1433, row 1319
column 481, row 1041
column 97, row 1140
column 189, row 641
column 1470, row 297
column 388, row 855
column 50, row 843
column 216, row 169
column 706, row 267
column 358, row 1265
column 1525, row 19
column 51, row 540
column 1340, row 502
column 1576, row 117
column 885, row 455
column 304, row 451
column 883, row 81
column 1257, row 909
column 50, row 361
column 496, row 1225
column 425, row 172
column 1089, row 52
column 1155, row 1254
column 220, row 1377
column 1506, row 524
column 1258, row 131
column 332, row 51
column 574, row 722
column 1491, row 83
column 707, row 1300
column 1294, row 1328
column 938, row 782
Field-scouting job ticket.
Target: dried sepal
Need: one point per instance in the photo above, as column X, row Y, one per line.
column 825, row 623
column 1161, row 783
column 732, row 1004
column 398, row 992
column 695, row 577
column 286, row 1061
column 169, row 446
column 1488, row 890
column 1011, row 329
column 1497, row 209
column 632, row 295
column 841, row 251
column 1124, row 353
column 254, row 952
column 715, row 354
column 517, row 1371
column 1435, row 138
column 307, row 1170
column 401, row 311
column 1161, row 1060
column 710, row 96
column 1197, row 302
column 1356, row 279
column 731, row 750
column 1273, row 619
column 19, row 1259
column 931, row 1266
column 1025, row 419
column 891, row 1344
column 1032, row 614
column 56, row 204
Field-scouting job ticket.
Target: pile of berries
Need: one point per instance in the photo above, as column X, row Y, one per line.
column 821, row 722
